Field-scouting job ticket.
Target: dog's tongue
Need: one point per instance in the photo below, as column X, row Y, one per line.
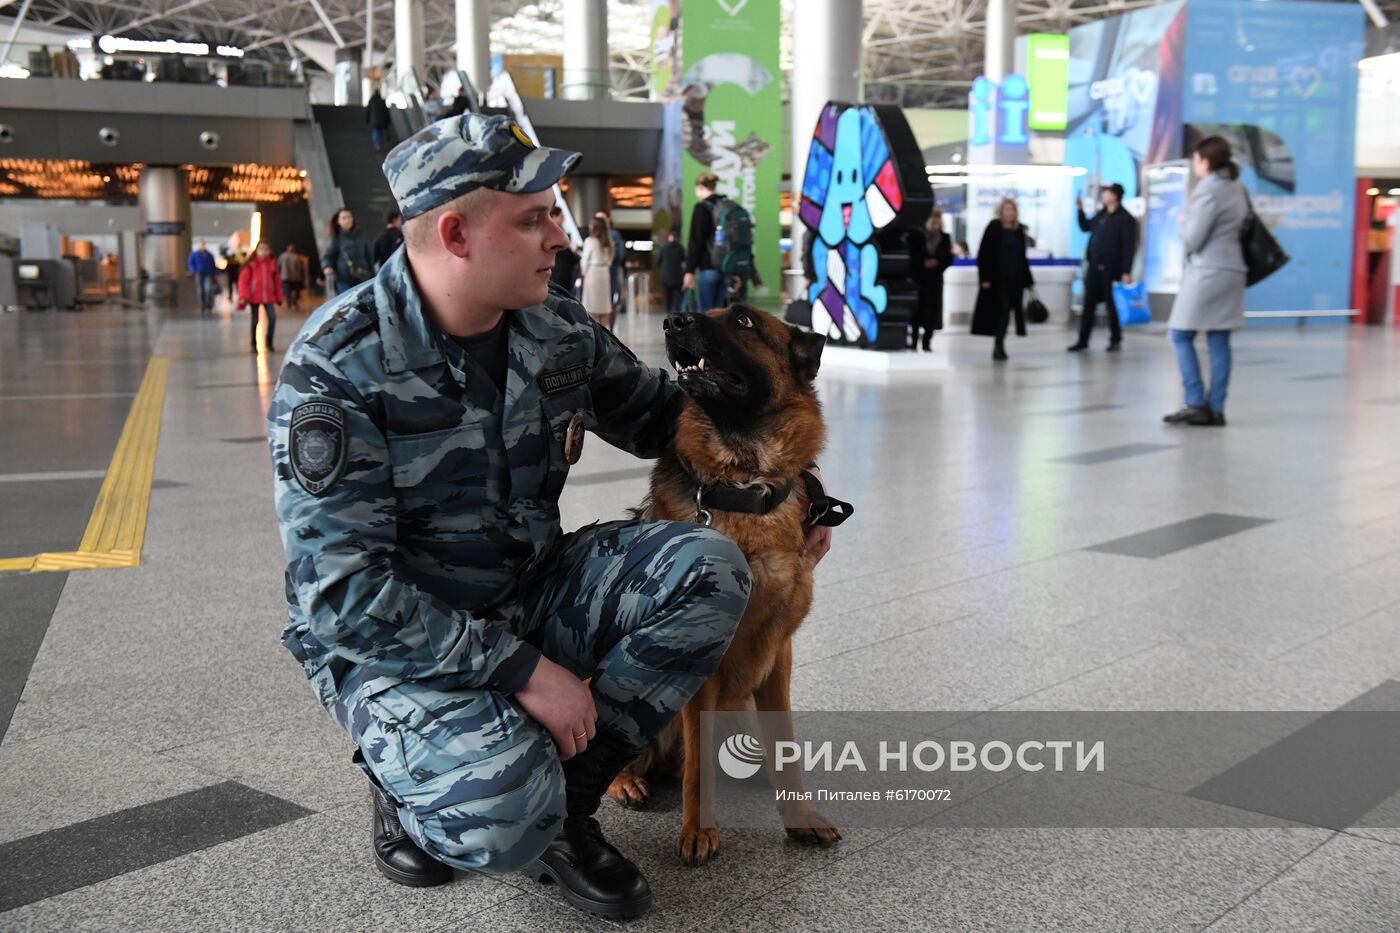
column 846, row 214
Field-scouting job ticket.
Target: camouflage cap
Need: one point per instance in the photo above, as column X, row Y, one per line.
column 450, row 157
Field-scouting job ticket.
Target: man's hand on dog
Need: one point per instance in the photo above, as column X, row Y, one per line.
column 561, row 703
column 818, row 536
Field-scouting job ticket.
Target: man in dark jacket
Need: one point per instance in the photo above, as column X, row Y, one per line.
column 377, row 116
column 671, row 260
column 566, row 261
column 389, row 238
column 699, row 271
column 1113, row 241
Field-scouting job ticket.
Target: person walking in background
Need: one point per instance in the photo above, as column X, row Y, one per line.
column 1113, row 241
column 671, row 263
column 615, row 270
column 1004, row 272
column 347, row 260
column 377, row 116
column 1211, row 296
column 389, row 238
column 202, row 267
column 290, row 267
column 930, row 253
column 565, row 272
column 260, row 286
column 231, row 266
column 597, row 273
column 699, row 270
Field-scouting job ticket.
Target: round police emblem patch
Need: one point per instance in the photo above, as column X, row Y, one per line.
column 521, row 137
column 573, row 439
column 316, row 445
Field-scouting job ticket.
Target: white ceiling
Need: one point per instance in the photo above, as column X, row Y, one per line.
column 917, row 52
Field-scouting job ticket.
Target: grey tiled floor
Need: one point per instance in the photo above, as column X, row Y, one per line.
column 963, row 583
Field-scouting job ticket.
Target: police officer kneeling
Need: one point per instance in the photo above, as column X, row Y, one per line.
column 421, row 432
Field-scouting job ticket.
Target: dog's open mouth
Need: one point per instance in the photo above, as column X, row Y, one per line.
column 696, row 370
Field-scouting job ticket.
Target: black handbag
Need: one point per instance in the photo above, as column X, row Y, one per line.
column 1036, row 312
column 1263, row 256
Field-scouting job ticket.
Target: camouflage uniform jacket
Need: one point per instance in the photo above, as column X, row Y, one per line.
column 437, row 494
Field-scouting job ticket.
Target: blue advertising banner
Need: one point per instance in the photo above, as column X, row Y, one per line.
column 1281, row 87
column 1162, row 256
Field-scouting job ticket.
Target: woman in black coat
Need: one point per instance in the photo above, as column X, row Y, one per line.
column 1005, row 274
column 930, row 252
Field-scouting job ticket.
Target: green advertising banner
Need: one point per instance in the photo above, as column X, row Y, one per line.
column 1047, row 72
column 733, row 114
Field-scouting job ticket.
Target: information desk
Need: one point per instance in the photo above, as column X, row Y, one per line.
column 1053, row 281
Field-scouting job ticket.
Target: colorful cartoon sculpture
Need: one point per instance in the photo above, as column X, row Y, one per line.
column 864, row 187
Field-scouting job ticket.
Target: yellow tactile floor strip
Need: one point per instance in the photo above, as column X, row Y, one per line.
column 117, row 527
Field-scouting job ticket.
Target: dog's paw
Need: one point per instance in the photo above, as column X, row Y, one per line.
column 809, row 828
column 697, row 846
column 629, row 790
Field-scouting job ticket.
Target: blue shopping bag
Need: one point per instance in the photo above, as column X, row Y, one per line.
column 1131, row 302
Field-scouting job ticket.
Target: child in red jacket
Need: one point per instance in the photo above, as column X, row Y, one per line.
column 260, row 284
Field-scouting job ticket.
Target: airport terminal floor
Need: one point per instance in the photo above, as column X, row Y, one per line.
column 1027, row 536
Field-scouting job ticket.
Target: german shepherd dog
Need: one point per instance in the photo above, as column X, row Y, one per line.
column 751, row 419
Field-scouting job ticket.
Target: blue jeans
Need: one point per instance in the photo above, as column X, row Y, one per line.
column 204, row 288
column 711, row 286
column 271, row 322
column 376, row 137
column 1183, row 342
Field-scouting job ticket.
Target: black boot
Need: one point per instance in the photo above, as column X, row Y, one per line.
column 999, row 351
column 396, row 855
column 1196, row 415
column 591, row 874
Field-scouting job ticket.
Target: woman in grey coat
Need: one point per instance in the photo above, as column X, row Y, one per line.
column 1211, row 297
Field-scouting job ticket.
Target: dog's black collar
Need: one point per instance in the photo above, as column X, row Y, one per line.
column 760, row 500
column 754, row 500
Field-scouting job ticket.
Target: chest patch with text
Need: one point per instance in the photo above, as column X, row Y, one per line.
column 562, row 379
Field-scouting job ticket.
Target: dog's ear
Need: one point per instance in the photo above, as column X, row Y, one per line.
column 806, row 353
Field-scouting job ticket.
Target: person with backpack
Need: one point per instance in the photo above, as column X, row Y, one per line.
column 700, row 272
column 720, row 254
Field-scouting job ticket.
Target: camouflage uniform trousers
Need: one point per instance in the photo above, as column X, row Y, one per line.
column 646, row 609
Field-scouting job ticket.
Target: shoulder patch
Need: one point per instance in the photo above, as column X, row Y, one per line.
column 342, row 327
column 316, row 445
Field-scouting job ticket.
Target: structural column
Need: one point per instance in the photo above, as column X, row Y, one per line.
column 1001, row 39
column 163, row 197
column 474, row 42
column 588, row 194
column 826, row 65
column 347, row 77
column 586, row 50
column 367, row 63
column 408, row 38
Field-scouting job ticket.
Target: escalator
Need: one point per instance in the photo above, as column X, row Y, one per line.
column 355, row 166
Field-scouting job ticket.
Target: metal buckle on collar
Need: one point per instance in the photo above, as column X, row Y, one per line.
column 702, row 514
